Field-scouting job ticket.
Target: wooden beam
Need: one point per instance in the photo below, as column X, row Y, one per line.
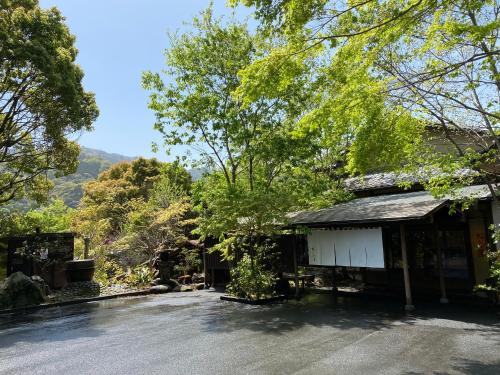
column 409, row 302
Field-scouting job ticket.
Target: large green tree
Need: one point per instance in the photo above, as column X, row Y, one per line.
column 121, row 188
column 42, row 100
column 249, row 145
column 131, row 212
column 391, row 69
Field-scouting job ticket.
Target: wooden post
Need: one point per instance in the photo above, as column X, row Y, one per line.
column 205, row 269
column 409, row 302
column 295, row 266
column 86, row 249
column 439, row 256
column 334, row 281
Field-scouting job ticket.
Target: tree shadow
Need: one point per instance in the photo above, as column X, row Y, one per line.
column 341, row 312
column 64, row 323
column 316, row 310
column 468, row 367
column 35, row 329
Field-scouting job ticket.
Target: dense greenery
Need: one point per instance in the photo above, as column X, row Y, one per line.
column 260, row 168
column 254, row 276
column 42, row 100
column 492, row 284
column 390, row 69
column 276, row 118
column 90, row 164
column 390, row 76
column 52, row 218
column 130, row 213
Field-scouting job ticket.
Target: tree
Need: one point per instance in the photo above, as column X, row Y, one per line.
column 118, row 189
column 42, row 100
column 56, row 217
column 162, row 223
column 248, row 145
column 390, row 70
column 128, row 214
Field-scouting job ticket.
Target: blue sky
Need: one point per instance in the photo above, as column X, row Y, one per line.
column 118, row 40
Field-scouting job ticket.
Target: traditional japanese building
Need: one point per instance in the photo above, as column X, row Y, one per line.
column 405, row 240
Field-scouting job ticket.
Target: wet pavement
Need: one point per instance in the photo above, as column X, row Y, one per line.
column 196, row 333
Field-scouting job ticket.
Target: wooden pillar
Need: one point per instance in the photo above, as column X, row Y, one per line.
column 212, row 281
column 86, row 249
column 295, row 266
column 439, row 259
column 205, row 268
column 334, row 280
column 409, row 302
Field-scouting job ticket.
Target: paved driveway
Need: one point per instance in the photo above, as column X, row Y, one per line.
column 196, row 333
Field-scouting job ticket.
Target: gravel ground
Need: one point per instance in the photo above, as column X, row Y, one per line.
column 78, row 290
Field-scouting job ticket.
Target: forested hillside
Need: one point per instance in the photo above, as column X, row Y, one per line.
column 91, row 163
column 70, row 188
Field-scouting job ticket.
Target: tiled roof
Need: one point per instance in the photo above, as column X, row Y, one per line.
column 386, row 180
column 393, row 207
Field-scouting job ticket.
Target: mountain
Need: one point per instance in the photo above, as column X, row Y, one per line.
column 91, row 163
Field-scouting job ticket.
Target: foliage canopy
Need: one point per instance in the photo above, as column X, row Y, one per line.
column 389, row 71
column 42, row 99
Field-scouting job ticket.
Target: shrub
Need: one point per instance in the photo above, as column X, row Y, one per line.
column 106, row 271
column 140, row 277
column 188, row 260
column 493, row 282
column 250, row 279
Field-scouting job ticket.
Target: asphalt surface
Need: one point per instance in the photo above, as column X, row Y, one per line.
column 196, row 333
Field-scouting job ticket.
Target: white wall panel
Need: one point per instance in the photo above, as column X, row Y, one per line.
column 342, row 247
column 350, row 247
column 314, row 248
column 374, row 248
column 328, row 249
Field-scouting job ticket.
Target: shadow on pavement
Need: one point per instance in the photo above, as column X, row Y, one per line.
column 341, row 312
column 468, row 367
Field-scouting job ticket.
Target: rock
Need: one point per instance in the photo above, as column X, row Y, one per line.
column 185, row 279
column 18, row 290
column 198, row 278
column 158, row 289
column 186, row 288
column 199, row 286
column 171, row 283
column 41, row 284
column 156, row 281
column 176, row 288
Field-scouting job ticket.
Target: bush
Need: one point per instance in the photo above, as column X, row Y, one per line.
column 492, row 284
column 188, row 260
column 140, row 277
column 250, row 279
column 106, row 271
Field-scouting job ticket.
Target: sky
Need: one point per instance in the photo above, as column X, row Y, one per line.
column 117, row 41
